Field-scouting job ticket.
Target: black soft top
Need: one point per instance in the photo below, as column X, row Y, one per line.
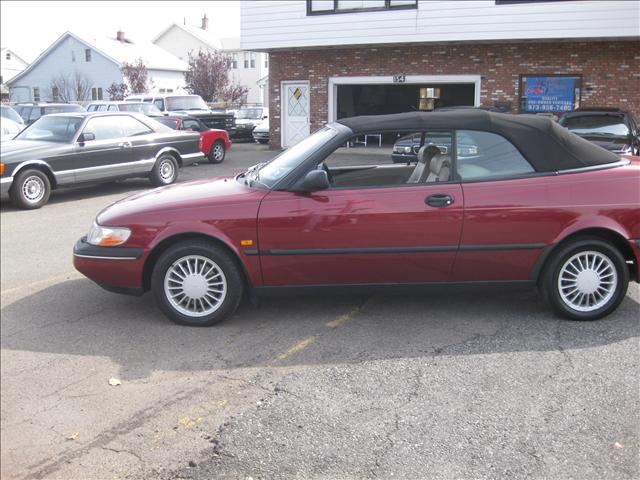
column 548, row 146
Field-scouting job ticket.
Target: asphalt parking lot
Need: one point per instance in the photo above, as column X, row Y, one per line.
column 446, row 386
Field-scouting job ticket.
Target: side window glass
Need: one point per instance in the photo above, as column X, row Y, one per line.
column 132, row 127
column 159, row 103
column 113, row 108
column 486, row 155
column 388, row 159
column 191, row 124
column 35, row 114
column 104, row 128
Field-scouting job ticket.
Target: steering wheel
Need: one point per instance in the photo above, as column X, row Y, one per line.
column 329, row 176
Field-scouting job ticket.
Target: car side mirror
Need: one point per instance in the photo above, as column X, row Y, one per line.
column 314, row 180
column 86, row 137
column 265, row 117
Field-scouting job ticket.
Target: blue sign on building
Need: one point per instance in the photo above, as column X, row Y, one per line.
column 550, row 94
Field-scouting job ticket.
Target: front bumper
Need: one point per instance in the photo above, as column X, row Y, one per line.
column 117, row 269
column 5, row 185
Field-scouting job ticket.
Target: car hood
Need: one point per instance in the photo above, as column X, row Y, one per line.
column 206, row 193
column 19, row 150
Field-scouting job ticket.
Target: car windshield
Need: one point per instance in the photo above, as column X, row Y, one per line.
column 597, row 125
column 11, row 114
column 250, row 113
column 186, row 102
column 52, row 129
column 146, row 108
column 269, row 174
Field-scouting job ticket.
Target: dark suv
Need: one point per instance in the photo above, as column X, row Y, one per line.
column 612, row 129
column 30, row 112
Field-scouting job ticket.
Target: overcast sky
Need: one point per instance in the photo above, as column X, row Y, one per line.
column 28, row 28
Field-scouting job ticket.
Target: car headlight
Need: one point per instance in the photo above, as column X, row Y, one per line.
column 107, row 236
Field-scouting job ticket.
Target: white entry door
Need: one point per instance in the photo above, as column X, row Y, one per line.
column 295, row 112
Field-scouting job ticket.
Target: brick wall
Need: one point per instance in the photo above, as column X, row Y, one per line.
column 610, row 70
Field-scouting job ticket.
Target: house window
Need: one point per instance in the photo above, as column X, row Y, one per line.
column 266, row 62
column 8, row 56
column 36, row 94
column 234, row 61
column 96, row 93
column 87, row 55
column 55, row 93
column 73, row 56
column 323, row 7
column 252, row 59
column 246, row 60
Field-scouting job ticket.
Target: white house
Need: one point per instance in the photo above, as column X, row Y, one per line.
column 10, row 65
column 247, row 67
column 99, row 61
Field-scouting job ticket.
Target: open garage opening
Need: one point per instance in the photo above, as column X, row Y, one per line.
column 381, row 99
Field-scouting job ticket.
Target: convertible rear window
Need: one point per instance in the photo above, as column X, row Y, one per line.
column 488, row 155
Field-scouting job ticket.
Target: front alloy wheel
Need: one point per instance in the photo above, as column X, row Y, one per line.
column 197, row 283
column 586, row 280
column 30, row 189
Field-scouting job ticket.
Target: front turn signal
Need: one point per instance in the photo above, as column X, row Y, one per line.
column 1, row 169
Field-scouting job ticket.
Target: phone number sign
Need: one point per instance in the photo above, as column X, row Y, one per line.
column 550, row 94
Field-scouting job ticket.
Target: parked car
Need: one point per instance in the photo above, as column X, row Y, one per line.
column 261, row 132
column 214, row 143
column 247, row 119
column 406, row 148
column 612, row 129
column 192, row 105
column 30, row 112
column 148, row 109
column 9, row 129
column 7, row 112
column 67, row 149
column 541, row 207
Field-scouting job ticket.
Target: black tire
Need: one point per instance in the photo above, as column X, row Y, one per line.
column 217, row 153
column 204, row 251
column 263, row 141
column 599, row 249
column 30, row 189
column 165, row 171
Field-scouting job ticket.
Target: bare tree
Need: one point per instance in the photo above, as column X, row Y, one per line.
column 234, row 93
column 81, row 86
column 136, row 76
column 70, row 87
column 208, row 76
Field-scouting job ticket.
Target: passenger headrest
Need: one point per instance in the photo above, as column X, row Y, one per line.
column 437, row 163
column 427, row 152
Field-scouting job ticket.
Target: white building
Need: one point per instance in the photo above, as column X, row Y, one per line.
column 247, row 67
column 10, row 65
column 99, row 60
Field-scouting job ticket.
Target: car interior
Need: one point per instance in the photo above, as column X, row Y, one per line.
column 479, row 155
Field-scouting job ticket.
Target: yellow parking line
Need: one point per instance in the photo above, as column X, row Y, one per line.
column 342, row 318
column 301, row 345
column 65, row 276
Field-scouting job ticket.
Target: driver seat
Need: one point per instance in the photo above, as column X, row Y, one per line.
column 425, row 154
column 440, row 169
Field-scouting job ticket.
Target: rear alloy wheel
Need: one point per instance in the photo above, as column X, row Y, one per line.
column 165, row 171
column 217, row 153
column 197, row 283
column 30, row 189
column 586, row 280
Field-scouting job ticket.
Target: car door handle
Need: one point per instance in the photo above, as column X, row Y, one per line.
column 124, row 144
column 439, row 200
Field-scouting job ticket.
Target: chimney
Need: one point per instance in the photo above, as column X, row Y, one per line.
column 120, row 36
column 205, row 22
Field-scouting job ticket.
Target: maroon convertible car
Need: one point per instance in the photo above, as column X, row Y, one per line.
column 523, row 202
